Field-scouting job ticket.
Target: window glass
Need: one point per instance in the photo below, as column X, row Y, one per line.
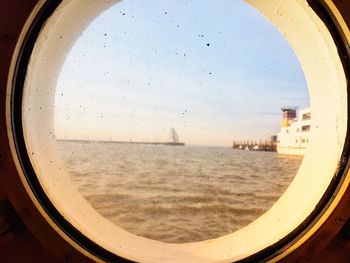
column 305, row 128
column 167, row 117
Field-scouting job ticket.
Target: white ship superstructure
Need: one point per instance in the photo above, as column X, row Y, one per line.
column 294, row 135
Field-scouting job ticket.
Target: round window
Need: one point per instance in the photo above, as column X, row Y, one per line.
column 154, row 131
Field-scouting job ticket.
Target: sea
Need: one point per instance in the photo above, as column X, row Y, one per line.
column 177, row 194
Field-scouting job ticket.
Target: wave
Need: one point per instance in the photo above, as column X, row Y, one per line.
column 181, row 195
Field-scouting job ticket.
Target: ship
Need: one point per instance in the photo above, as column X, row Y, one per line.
column 293, row 137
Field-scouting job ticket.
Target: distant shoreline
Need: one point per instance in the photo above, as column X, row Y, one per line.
column 127, row 142
column 123, row 142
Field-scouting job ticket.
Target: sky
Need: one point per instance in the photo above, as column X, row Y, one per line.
column 215, row 71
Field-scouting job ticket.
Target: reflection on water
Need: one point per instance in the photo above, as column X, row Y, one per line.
column 177, row 194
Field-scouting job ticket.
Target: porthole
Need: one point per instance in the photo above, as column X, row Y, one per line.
column 93, row 234
column 201, row 189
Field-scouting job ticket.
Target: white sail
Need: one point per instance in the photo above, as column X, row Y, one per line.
column 173, row 137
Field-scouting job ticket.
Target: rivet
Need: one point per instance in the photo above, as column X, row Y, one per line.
column 339, row 220
column 67, row 257
column 5, row 36
column 24, row 213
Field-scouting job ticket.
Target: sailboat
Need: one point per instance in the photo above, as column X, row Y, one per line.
column 174, row 139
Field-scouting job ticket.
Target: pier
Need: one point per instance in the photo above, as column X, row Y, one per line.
column 173, row 140
column 254, row 145
column 151, row 143
column 123, row 142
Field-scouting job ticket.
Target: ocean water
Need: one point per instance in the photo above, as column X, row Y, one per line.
column 177, row 194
